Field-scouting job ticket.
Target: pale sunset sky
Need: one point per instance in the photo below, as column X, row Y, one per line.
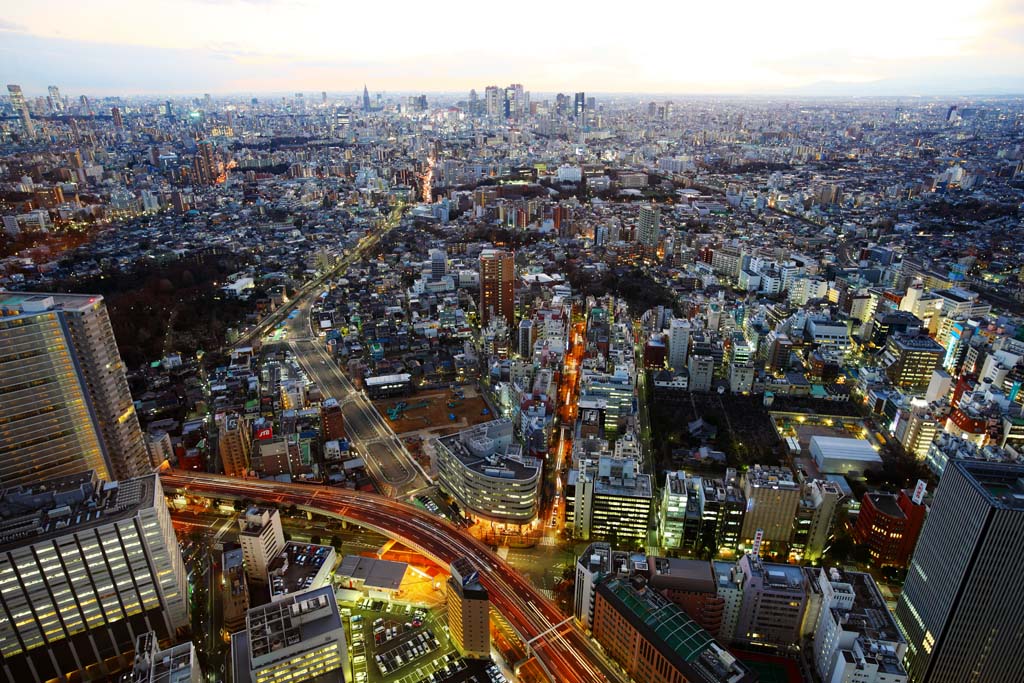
column 658, row 46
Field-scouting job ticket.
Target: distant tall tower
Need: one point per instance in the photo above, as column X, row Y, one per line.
column 20, row 106
column 647, row 227
column 474, row 102
column 366, row 98
column 323, row 97
column 55, row 99
column 579, row 109
column 497, row 286
column 960, row 609
column 206, row 168
column 64, row 396
column 494, row 102
column 115, row 113
column 83, row 103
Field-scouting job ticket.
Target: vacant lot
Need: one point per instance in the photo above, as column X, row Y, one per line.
column 434, row 415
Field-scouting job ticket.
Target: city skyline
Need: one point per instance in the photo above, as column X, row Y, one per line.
column 234, row 46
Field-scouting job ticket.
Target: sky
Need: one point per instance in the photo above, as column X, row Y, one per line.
column 124, row 47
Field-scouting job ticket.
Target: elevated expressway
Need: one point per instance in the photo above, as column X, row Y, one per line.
column 565, row 653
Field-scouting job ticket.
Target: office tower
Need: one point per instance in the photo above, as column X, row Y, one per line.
column 468, row 611
column 527, row 337
column 515, row 100
column 889, row 525
column 814, row 517
column 206, row 166
column 63, row 391
column 206, row 101
column 323, row 97
column 438, row 264
column 366, row 99
column 494, row 102
column 772, row 501
column 234, row 443
column 85, row 568
column 262, row 537
column 655, row 641
column 474, row 102
column 115, row 113
column 774, row 599
column 579, row 109
column 21, row 106
column 647, row 227
column 170, row 109
column 55, row 98
column 86, row 107
column 299, row 638
column 678, row 344
column 960, row 609
column 497, row 286
column 911, row 359
column 855, row 637
column 176, row 664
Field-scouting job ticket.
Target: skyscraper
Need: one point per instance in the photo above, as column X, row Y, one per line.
column 20, row 106
column 64, row 396
column 647, row 227
column 85, row 568
column 366, row 98
column 678, row 344
column 579, row 109
column 55, row 99
column 960, row 609
column 115, row 113
column 494, row 102
column 497, row 287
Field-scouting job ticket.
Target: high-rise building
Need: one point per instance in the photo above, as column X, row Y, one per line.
column 647, row 234
column 262, row 538
column 960, row 609
column 21, row 106
column 497, row 287
column 63, row 391
column 527, row 337
column 774, row 600
column 333, row 419
column 206, row 166
column 579, row 109
column 233, row 443
column 115, row 113
column 772, row 501
column 494, row 102
column 911, row 359
column 235, row 589
column 86, row 567
column 56, row 101
column 299, row 638
column 678, row 344
column 366, row 99
column 438, row 263
column 468, row 611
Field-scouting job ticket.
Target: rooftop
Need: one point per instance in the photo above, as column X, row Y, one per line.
column 152, row 665
column 64, row 505
column 691, row 649
column 290, row 621
column 489, row 448
column 13, row 304
column 296, row 567
column 372, row 572
column 1001, row 484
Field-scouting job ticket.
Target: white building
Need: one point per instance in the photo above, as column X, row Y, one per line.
column 296, row 639
column 840, row 455
column 262, row 539
column 678, row 344
column 856, row 639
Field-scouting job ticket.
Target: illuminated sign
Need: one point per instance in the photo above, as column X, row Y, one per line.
column 265, row 433
column 919, row 491
column 758, row 537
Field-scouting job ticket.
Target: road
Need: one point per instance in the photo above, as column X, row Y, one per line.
column 387, row 460
column 389, row 463
column 312, row 288
column 565, row 652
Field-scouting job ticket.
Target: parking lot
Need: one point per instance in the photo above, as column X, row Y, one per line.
column 396, row 643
